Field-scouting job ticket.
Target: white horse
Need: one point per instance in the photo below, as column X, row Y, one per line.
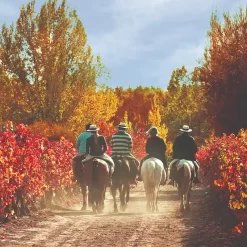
column 151, row 173
column 183, row 172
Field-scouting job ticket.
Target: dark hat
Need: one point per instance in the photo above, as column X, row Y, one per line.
column 152, row 131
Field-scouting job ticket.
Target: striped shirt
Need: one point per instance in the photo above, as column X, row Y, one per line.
column 121, row 143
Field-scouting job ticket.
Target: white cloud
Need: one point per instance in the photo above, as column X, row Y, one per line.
column 134, row 18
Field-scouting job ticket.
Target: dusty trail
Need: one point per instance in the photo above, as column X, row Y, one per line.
column 72, row 227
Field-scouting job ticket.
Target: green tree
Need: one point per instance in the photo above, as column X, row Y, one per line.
column 186, row 105
column 48, row 54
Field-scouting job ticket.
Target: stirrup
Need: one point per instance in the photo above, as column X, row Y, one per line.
column 196, row 180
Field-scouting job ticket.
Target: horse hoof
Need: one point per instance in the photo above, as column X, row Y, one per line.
column 181, row 209
column 115, row 210
column 83, row 208
column 122, row 208
column 187, row 208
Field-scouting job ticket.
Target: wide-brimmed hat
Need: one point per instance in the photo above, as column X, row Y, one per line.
column 152, row 131
column 92, row 128
column 122, row 126
column 186, row 128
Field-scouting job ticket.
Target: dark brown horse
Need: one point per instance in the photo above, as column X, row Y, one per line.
column 96, row 177
column 125, row 171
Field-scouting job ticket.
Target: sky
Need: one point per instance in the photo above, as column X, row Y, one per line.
column 141, row 41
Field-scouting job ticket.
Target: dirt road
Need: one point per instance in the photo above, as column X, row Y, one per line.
column 72, row 227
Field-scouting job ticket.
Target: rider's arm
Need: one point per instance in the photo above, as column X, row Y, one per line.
column 148, row 146
column 163, row 145
column 104, row 145
column 194, row 146
column 87, row 146
column 130, row 144
column 77, row 145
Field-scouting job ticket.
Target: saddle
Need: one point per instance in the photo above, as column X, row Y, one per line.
column 129, row 158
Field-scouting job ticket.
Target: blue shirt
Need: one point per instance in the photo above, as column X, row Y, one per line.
column 82, row 141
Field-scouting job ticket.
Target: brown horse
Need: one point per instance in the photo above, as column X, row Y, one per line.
column 96, row 177
column 124, row 172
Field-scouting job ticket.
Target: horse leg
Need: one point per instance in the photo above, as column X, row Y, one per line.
column 122, row 198
column 128, row 193
column 84, row 196
column 148, row 205
column 187, row 204
column 101, row 202
column 181, row 195
column 156, row 200
column 114, row 192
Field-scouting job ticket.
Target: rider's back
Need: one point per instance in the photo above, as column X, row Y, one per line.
column 184, row 147
column 121, row 143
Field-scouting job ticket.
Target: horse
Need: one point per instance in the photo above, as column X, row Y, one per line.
column 184, row 173
column 79, row 174
column 151, row 173
column 96, row 177
column 124, row 172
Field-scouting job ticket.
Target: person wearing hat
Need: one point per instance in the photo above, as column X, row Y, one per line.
column 184, row 147
column 96, row 147
column 121, row 143
column 155, row 148
column 81, row 151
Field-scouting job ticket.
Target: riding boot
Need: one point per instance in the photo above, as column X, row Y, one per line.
column 109, row 184
column 171, row 182
column 196, row 180
column 139, row 176
column 163, row 181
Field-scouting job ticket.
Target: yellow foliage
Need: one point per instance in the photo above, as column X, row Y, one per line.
column 94, row 107
column 52, row 131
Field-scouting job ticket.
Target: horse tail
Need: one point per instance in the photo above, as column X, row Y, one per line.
column 186, row 178
column 95, row 177
column 148, row 176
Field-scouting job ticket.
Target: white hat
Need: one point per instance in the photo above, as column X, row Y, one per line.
column 92, row 128
column 186, row 128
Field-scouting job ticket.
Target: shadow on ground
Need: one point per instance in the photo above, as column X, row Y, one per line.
column 208, row 223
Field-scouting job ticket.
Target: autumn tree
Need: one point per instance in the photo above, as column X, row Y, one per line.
column 223, row 72
column 47, row 53
column 95, row 106
column 141, row 105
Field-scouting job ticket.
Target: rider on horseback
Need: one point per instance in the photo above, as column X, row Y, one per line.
column 121, row 143
column 184, row 147
column 96, row 147
column 156, row 148
column 81, row 149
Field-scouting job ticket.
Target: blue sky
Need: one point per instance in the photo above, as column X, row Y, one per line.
column 141, row 41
